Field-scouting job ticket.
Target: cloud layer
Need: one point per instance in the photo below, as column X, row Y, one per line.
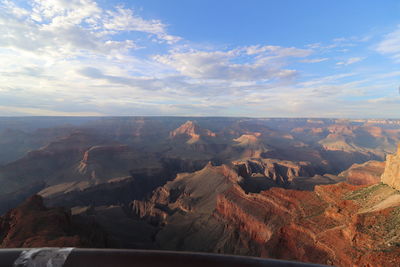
column 75, row 57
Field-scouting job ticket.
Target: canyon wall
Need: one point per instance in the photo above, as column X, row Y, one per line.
column 391, row 176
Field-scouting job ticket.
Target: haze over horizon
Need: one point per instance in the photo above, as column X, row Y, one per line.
column 200, row 58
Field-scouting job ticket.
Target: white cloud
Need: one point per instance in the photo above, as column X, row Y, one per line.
column 260, row 63
column 76, row 57
column 277, row 51
column 61, row 12
column 12, row 8
column 350, row 61
column 22, row 111
column 61, row 28
column 125, row 20
column 314, row 60
column 390, row 45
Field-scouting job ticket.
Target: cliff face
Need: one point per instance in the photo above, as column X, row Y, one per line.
column 192, row 132
column 366, row 173
column 391, row 176
column 33, row 225
column 340, row 224
column 184, row 207
column 108, row 161
column 188, row 192
column 52, row 163
column 281, row 172
column 222, row 209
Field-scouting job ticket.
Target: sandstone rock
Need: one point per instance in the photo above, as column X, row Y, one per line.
column 192, row 132
column 209, row 211
column 391, row 176
column 366, row 173
column 260, row 174
column 33, row 225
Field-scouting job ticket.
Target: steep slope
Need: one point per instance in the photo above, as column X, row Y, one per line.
column 16, row 143
column 281, row 171
column 327, row 226
column 191, row 142
column 340, row 224
column 263, row 173
column 103, row 162
column 83, row 157
column 364, row 174
column 13, row 199
column 33, row 225
column 191, row 132
column 52, row 163
column 184, row 207
column 391, row 176
column 251, row 144
column 360, row 138
column 112, row 192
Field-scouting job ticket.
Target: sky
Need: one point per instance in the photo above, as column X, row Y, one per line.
column 252, row 58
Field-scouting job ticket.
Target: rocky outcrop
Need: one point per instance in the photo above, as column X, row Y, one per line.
column 33, row 225
column 248, row 140
column 191, row 131
column 327, row 226
column 12, row 200
column 340, row 224
column 53, row 163
column 244, row 207
column 102, row 162
column 251, row 145
column 113, row 192
column 275, row 172
column 366, row 173
column 391, row 176
column 184, row 207
column 187, row 192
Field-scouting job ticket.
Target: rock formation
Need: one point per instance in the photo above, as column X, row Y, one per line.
column 264, row 193
column 12, row 200
column 341, row 224
column 366, row 173
column 192, row 132
column 282, row 172
column 391, row 176
column 33, row 225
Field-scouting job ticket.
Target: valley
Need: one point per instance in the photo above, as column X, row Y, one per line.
column 313, row 190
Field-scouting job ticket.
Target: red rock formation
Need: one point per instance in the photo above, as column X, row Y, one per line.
column 98, row 160
column 251, row 145
column 320, row 227
column 33, row 225
column 53, row 163
column 280, row 171
column 391, row 176
column 191, row 131
column 341, row 224
column 364, row 174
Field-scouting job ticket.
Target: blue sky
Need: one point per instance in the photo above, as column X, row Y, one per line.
column 253, row 58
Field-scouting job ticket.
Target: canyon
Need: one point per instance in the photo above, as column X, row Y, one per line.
column 313, row 190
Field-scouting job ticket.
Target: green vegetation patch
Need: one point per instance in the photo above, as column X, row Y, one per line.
column 364, row 193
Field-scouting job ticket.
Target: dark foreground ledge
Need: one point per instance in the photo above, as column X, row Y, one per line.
column 76, row 257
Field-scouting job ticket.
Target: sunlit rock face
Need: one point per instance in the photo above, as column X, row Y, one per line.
column 192, row 132
column 367, row 173
column 340, row 224
column 391, row 176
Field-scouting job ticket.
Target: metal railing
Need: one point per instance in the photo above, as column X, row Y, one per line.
column 77, row 257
